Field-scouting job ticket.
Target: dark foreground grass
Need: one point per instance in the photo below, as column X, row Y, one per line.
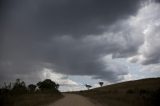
column 144, row 92
column 36, row 99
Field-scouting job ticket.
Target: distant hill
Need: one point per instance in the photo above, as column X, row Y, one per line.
column 144, row 92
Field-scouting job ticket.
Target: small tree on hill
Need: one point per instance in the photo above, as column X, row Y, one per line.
column 101, row 84
column 88, row 86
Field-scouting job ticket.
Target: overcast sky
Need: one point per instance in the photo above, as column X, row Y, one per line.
column 75, row 42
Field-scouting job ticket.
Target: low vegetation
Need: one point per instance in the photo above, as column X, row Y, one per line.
column 144, row 92
column 19, row 94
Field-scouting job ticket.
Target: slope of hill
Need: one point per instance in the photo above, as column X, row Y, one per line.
column 144, row 92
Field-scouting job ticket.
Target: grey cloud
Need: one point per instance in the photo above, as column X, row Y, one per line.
column 66, row 36
column 148, row 52
column 66, row 55
column 151, row 51
column 71, row 17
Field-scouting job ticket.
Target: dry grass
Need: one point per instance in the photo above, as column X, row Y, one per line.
column 37, row 99
column 144, row 92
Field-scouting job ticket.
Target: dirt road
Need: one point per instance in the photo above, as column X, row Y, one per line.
column 73, row 100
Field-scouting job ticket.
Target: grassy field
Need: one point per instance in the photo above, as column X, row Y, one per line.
column 38, row 99
column 145, row 92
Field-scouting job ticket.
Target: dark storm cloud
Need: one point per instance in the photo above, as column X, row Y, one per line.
column 157, row 1
column 73, row 17
column 55, row 34
column 64, row 55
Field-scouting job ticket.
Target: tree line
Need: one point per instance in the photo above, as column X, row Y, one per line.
column 45, row 86
column 19, row 87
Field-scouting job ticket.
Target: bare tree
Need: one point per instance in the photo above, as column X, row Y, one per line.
column 19, row 87
column 88, row 86
column 7, row 86
column 101, row 84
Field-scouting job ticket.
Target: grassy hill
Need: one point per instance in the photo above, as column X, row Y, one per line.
column 144, row 92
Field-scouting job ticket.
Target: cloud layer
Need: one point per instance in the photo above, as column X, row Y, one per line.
column 74, row 37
